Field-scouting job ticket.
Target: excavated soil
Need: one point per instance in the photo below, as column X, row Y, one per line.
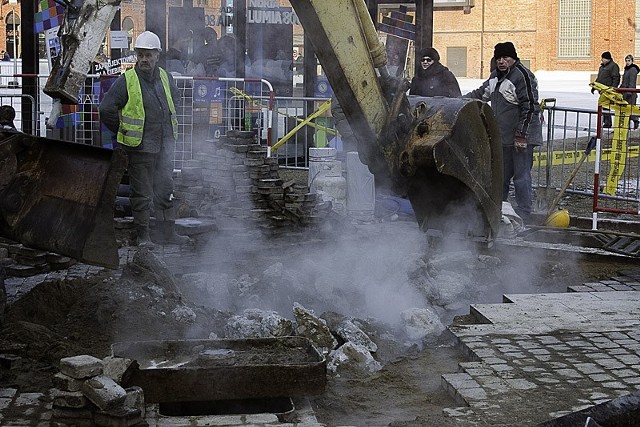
column 156, row 299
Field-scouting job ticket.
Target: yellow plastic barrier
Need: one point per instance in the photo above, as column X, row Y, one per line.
column 613, row 100
column 301, row 122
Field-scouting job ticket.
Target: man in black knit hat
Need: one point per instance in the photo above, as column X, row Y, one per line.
column 609, row 75
column 512, row 90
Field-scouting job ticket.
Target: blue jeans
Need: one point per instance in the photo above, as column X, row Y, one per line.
column 517, row 166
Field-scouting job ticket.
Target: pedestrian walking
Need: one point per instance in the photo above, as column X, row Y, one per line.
column 512, row 90
column 630, row 80
column 140, row 108
column 609, row 75
column 432, row 78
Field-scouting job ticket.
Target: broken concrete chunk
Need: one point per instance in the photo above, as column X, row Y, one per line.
column 351, row 357
column 184, row 314
column 421, row 324
column 115, row 367
column 135, row 398
column 350, row 332
column 255, row 323
column 314, row 328
column 79, row 367
column 104, row 392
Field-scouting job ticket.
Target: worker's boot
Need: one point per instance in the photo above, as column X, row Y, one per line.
column 167, row 218
column 170, row 236
column 141, row 224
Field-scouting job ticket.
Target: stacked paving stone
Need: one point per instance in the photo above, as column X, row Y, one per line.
column 626, row 281
column 85, row 396
column 21, row 261
column 235, row 178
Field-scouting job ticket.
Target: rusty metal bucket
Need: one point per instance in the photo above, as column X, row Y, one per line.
column 59, row 196
column 207, row 370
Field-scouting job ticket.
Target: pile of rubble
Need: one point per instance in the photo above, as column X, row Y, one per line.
column 87, row 394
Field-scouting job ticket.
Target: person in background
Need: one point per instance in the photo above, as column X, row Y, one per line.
column 432, row 78
column 209, row 55
column 227, row 45
column 630, row 80
column 4, row 56
column 140, row 108
column 609, row 75
column 512, row 90
column 7, row 116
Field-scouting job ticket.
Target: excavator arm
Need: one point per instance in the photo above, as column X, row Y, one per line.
column 444, row 154
column 83, row 29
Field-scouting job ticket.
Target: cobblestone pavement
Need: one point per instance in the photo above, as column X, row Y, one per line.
column 554, row 353
column 533, row 358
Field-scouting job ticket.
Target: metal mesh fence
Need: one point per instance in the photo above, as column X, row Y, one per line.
column 209, row 108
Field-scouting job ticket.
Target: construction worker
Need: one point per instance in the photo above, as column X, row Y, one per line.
column 608, row 74
column 512, row 90
column 140, row 109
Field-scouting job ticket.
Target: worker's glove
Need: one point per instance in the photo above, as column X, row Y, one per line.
column 520, row 143
column 593, row 90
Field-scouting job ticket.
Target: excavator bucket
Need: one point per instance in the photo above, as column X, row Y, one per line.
column 59, row 196
column 452, row 163
column 444, row 154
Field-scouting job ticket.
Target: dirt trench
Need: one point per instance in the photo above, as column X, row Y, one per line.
column 152, row 299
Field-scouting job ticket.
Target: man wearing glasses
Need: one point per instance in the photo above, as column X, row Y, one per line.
column 512, row 90
column 432, row 78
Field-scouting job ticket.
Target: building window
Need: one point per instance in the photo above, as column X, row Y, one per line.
column 574, row 29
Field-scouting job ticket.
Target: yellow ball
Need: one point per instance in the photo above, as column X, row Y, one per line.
column 558, row 219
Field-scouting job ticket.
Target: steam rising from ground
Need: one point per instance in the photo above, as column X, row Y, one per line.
column 367, row 271
column 360, row 271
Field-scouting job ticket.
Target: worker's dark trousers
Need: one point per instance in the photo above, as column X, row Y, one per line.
column 606, row 118
column 150, row 181
column 517, row 166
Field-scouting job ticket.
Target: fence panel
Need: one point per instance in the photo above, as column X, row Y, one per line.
column 301, row 123
column 207, row 109
column 617, row 177
column 615, row 159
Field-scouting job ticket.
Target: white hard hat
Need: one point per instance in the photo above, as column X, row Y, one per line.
column 148, row 40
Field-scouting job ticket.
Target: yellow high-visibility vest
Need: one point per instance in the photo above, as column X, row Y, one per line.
column 132, row 114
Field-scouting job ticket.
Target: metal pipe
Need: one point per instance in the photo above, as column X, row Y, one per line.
column 376, row 49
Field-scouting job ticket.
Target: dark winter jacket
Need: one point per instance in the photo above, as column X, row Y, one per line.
column 514, row 101
column 437, row 80
column 609, row 74
column 157, row 122
column 630, row 80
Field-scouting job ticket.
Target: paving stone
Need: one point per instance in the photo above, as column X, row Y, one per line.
column 82, row 366
column 66, row 383
column 601, row 377
column 569, row 373
column 5, row 402
column 589, row 368
column 104, row 392
column 8, row 392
